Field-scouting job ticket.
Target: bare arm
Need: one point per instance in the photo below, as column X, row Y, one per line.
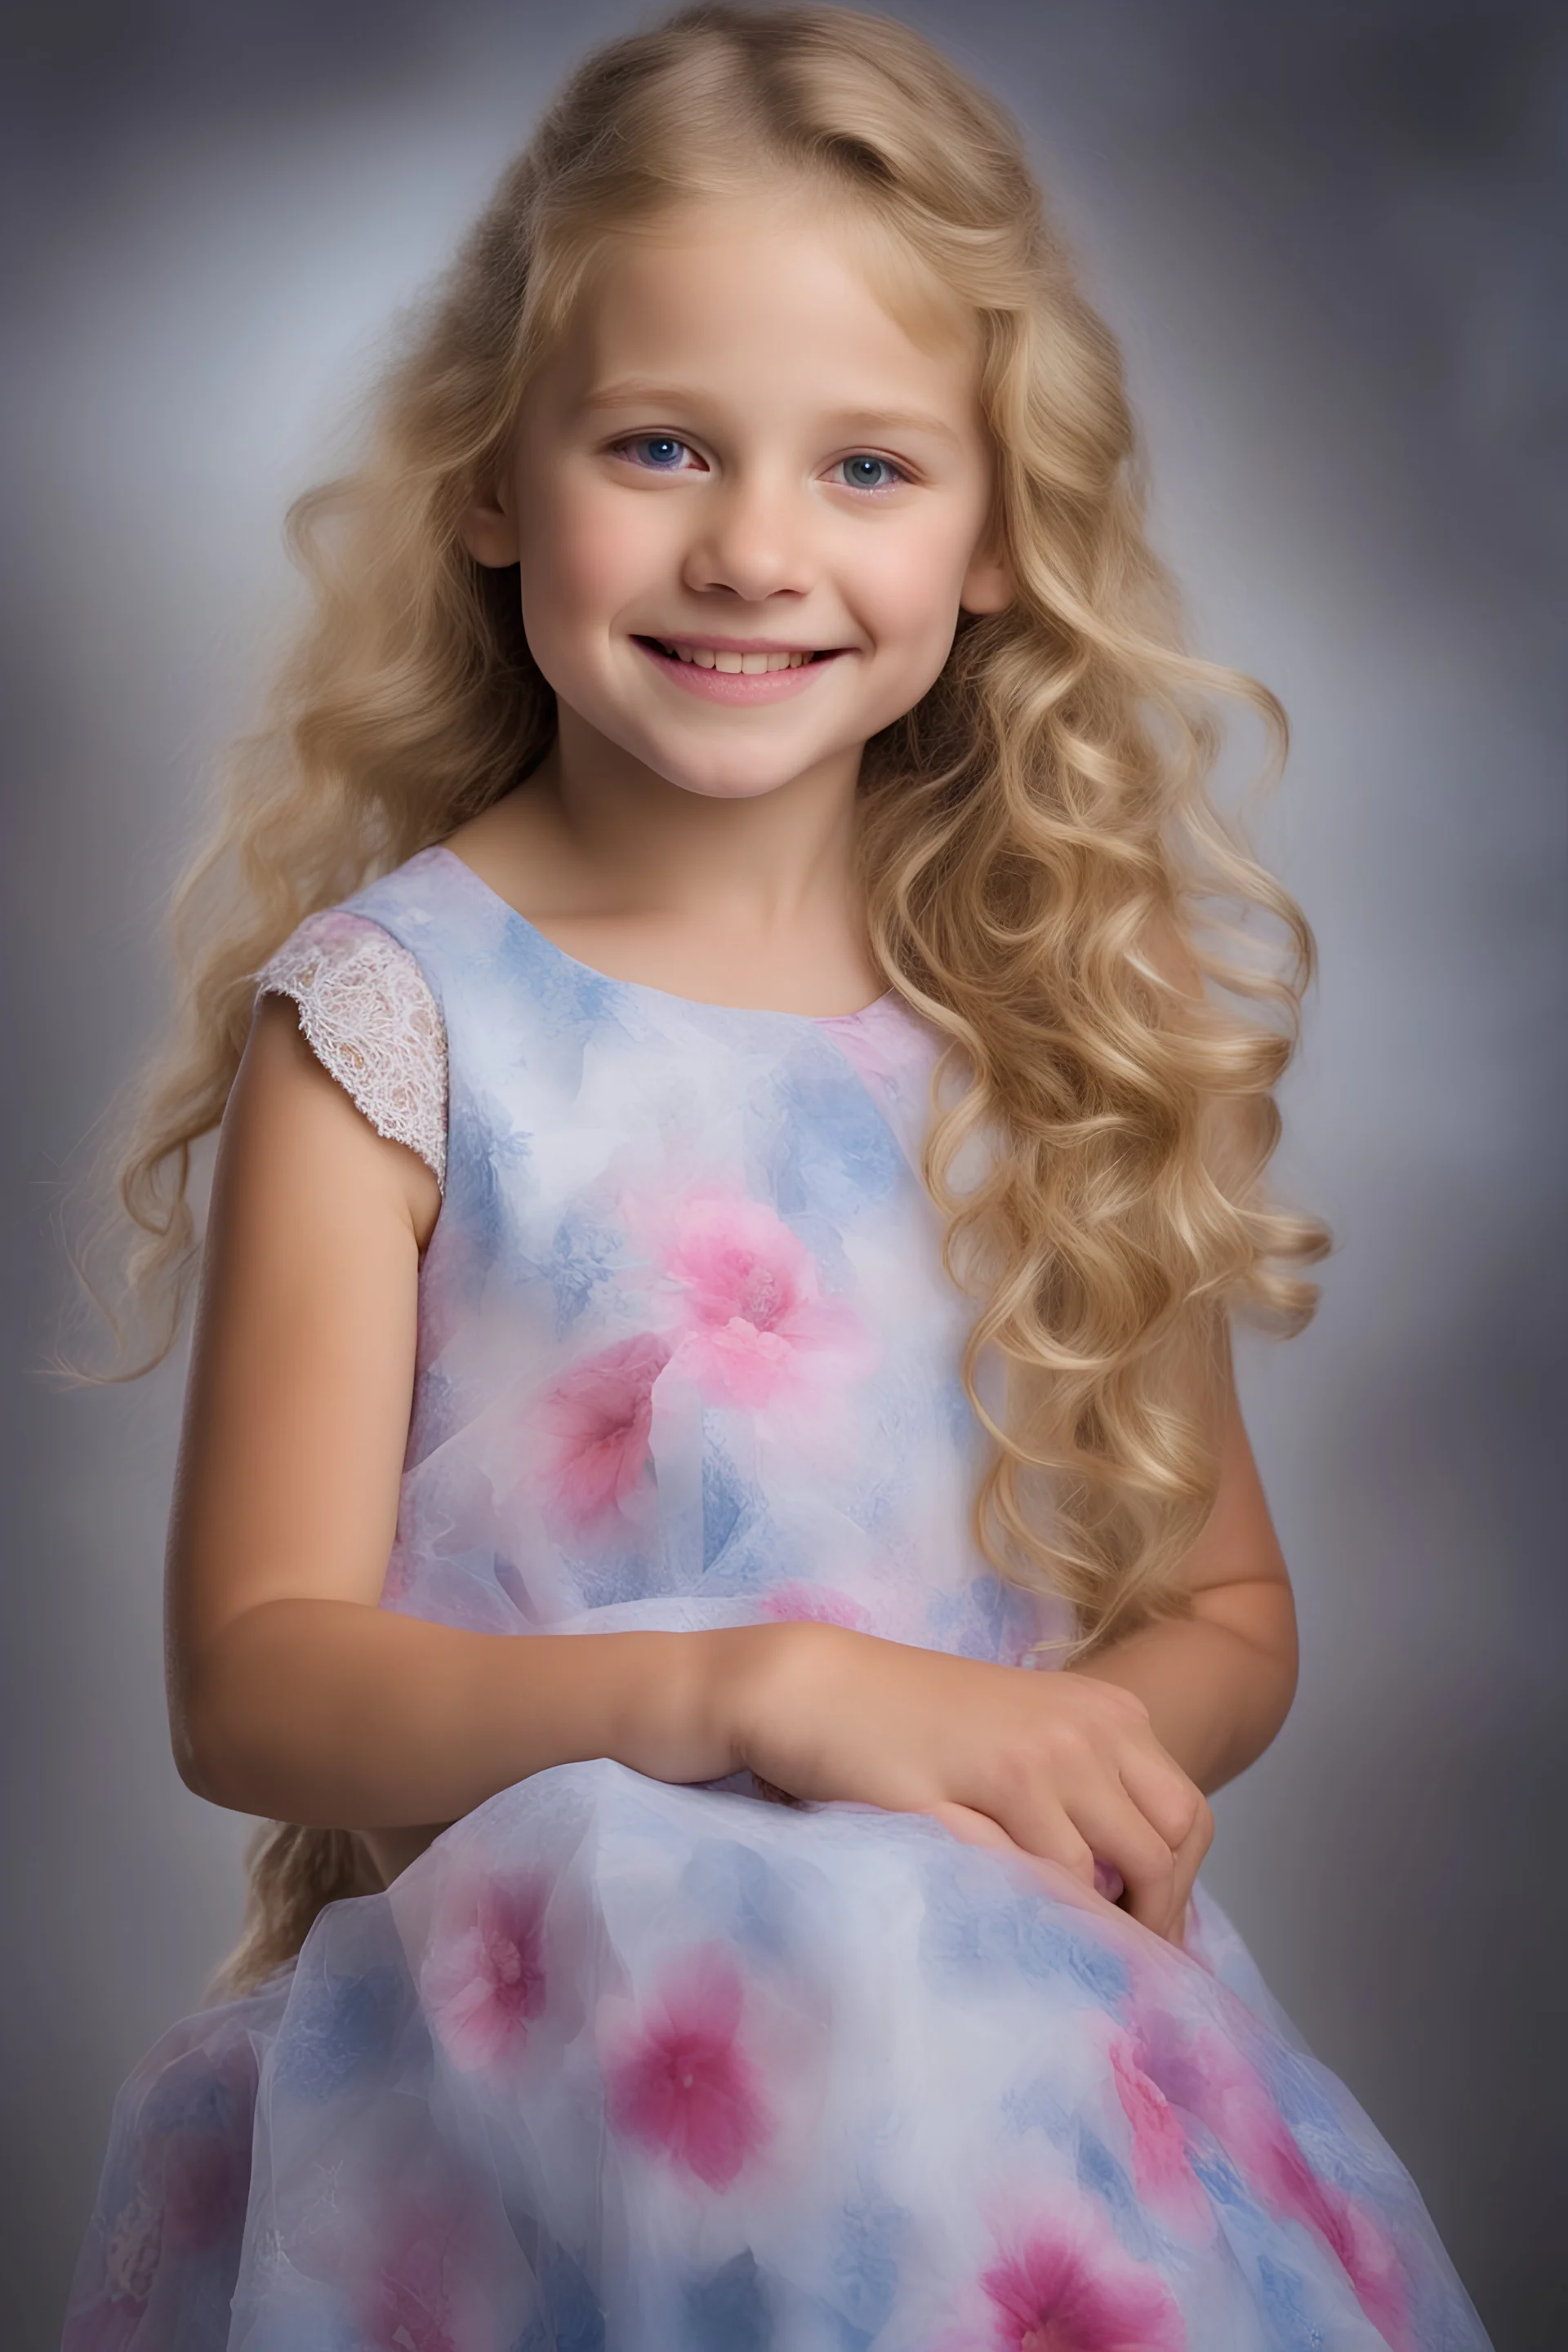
column 291, row 1692
column 1219, row 1684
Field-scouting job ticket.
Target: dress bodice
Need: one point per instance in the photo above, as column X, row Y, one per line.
column 687, row 1355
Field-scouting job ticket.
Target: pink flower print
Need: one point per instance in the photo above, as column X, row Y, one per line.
column 1208, row 2076
column 1070, row 2290
column 813, row 1604
column 417, row 2255
column 595, row 1421
column 408, row 2305
column 1372, row 2266
column 1160, row 2172
column 680, row 2086
column 737, row 1364
column 483, row 1979
column 758, row 1327
column 206, row 2185
column 1358, row 2245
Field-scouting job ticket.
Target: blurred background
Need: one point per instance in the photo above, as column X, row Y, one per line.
column 1331, row 236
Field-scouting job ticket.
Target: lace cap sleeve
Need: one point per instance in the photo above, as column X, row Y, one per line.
column 367, row 1012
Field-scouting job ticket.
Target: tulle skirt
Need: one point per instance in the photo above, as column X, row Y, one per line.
column 622, row 2067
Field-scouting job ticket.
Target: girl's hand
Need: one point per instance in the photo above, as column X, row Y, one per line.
column 1057, row 1767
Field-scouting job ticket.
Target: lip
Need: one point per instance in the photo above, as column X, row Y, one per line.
column 743, row 645
column 733, row 686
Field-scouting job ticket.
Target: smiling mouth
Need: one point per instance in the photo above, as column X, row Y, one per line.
column 735, row 664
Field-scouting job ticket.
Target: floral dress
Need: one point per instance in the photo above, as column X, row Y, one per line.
column 618, row 2067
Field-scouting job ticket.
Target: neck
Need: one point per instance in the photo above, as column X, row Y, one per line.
column 634, row 844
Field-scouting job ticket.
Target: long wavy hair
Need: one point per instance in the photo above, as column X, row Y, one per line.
column 1048, row 878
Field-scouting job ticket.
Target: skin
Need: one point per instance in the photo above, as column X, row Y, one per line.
column 705, row 849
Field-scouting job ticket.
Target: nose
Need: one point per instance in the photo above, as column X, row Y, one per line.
column 752, row 536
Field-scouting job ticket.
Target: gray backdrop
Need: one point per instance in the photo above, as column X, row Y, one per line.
column 1327, row 232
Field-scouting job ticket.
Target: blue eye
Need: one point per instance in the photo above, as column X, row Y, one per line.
column 871, row 473
column 660, row 451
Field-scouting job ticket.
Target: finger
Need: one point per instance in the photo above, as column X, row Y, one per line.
column 1166, row 1795
column 1180, row 1811
column 1189, row 1861
column 975, row 1828
column 1067, row 1882
column 1107, row 1882
column 1122, row 1835
column 1048, row 1836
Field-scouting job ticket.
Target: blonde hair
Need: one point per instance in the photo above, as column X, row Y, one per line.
column 1047, row 877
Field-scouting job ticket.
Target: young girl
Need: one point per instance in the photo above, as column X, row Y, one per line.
column 757, row 1183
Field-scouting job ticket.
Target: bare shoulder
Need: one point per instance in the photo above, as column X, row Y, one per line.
column 294, row 1129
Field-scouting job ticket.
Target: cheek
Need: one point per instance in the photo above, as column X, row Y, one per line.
column 909, row 587
column 584, row 556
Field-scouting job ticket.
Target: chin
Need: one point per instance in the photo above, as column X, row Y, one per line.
column 723, row 782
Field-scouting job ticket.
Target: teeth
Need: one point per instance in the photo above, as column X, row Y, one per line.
column 734, row 665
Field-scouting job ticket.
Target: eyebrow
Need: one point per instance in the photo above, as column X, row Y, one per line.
column 637, row 393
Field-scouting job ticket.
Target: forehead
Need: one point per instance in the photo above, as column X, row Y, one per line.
column 779, row 294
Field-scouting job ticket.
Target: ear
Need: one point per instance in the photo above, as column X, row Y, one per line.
column 489, row 532
column 988, row 585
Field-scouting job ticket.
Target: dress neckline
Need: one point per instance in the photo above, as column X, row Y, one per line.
column 890, row 999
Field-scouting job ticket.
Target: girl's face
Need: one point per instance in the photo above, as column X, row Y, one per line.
column 747, row 504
